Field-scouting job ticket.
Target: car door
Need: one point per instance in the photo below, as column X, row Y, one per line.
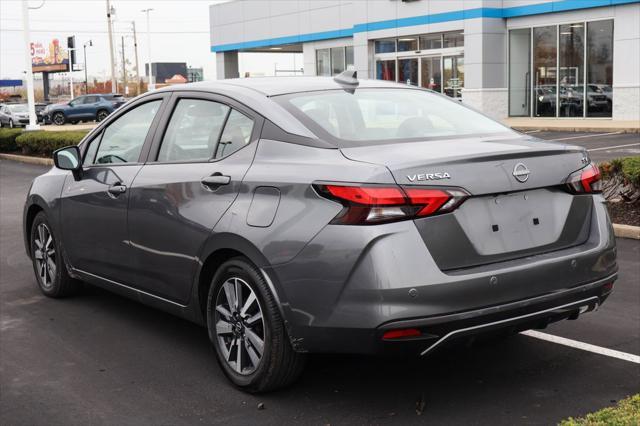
column 193, row 175
column 74, row 108
column 89, row 107
column 94, row 207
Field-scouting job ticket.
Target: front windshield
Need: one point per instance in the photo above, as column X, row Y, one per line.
column 384, row 115
column 18, row 108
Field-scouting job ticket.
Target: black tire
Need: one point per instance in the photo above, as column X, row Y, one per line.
column 101, row 115
column 58, row 118
column 59, row 283
column 279, row 365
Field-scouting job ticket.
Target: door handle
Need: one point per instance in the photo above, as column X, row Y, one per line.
column 117, row 189
column 215, row 180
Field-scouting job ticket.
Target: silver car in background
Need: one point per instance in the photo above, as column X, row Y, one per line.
column 14, row 115
column 309, row 214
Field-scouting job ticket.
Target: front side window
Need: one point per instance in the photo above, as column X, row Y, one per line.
column 122, row 141
column 371, row 116
column 237, row 133
column 193, row 131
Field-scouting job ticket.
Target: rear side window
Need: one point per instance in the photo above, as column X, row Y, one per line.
column 193, row 131
column 236, row 134
column 122, row 141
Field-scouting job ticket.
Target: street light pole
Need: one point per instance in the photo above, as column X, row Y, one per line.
column 113, row 66
column 135, row 46
column 31, row 99
column 86, row 85
column 152, row 83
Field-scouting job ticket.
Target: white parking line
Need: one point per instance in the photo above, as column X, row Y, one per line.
column 588, row 136
column 613, row 147
column 584, row 346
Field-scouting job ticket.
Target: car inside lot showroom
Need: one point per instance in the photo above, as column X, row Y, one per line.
column 562, row 59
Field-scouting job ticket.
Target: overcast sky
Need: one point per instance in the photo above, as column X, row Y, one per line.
column 179, row 33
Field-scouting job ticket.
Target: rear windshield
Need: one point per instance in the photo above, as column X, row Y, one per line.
column 370, row 116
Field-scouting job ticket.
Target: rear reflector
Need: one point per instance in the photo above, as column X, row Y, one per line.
column 373, row 204
column 399, row 334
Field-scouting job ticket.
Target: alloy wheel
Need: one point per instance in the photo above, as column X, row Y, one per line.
column 101, row 116
column 11, row 124
column 58, row 119
column 239, row 323
column 45, row 256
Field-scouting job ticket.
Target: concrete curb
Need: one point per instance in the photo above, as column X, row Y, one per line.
column 626, row 231
column 40, row 161
column 575, row 129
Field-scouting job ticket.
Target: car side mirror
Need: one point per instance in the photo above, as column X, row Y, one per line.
column 68, row 158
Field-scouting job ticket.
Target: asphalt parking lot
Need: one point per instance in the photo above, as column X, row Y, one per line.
column 102, row 359
column 603, row 146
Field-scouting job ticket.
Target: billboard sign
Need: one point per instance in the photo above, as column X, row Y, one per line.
column 50, row 55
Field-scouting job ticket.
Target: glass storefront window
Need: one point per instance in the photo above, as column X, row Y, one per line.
column 406, row 44
column 431, row 73
column 545, row 55
column 408, row 71
column 348, row 54
column 571, row 71
column 337, row 60
column 454, row 39
column 453, row 74
column 431, row 41
column 385, row 46
column 519, row 72
column 323, row 62
column 599, row 68
column 386, row 70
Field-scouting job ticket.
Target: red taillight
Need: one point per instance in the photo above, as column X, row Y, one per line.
column 372, row 204
column 399, row 334
column 586, row 180
column 368, row 195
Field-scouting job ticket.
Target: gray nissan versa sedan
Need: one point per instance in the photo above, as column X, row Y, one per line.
column 312, row 214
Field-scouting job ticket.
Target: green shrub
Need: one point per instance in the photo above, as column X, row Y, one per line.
column 628, row 167
column 627, row 412
column 8, row 139
column 44, row 143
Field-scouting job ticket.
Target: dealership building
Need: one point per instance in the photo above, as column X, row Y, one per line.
column 565, row 59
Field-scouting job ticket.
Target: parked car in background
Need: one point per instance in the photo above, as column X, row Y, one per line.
column 40, row 107
column 14, row 115
column 93, row 107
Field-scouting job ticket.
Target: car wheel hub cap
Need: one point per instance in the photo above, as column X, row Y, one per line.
column 239, row 326
column 45, row 256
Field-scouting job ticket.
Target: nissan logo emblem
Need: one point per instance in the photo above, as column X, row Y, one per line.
column 521, row 173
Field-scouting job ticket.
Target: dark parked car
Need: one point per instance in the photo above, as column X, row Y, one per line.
column 83, row 108
column 14, row 115
column 311, row 214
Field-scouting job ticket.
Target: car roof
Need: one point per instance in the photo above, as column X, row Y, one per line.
column 275, row 86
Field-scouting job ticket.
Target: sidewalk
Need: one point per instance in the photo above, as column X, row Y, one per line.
column 571, row 125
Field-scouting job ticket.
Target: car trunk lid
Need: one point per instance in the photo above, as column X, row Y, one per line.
column 517, row 208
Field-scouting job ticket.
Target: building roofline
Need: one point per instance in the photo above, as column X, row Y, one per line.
column 456, row 15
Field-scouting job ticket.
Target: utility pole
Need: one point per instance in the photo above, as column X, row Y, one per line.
column 135, row 47
column 113, row 65
column 33, row 120
column 124, row 71
column 152, row 82
column 86, row 84
column 71, row 73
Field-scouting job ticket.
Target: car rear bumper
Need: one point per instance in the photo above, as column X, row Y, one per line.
column 438, row 331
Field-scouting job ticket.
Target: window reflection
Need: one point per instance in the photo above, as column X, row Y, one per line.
column 599, row 68
column 544, row 68
column 386, row 70
column 571, row 75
